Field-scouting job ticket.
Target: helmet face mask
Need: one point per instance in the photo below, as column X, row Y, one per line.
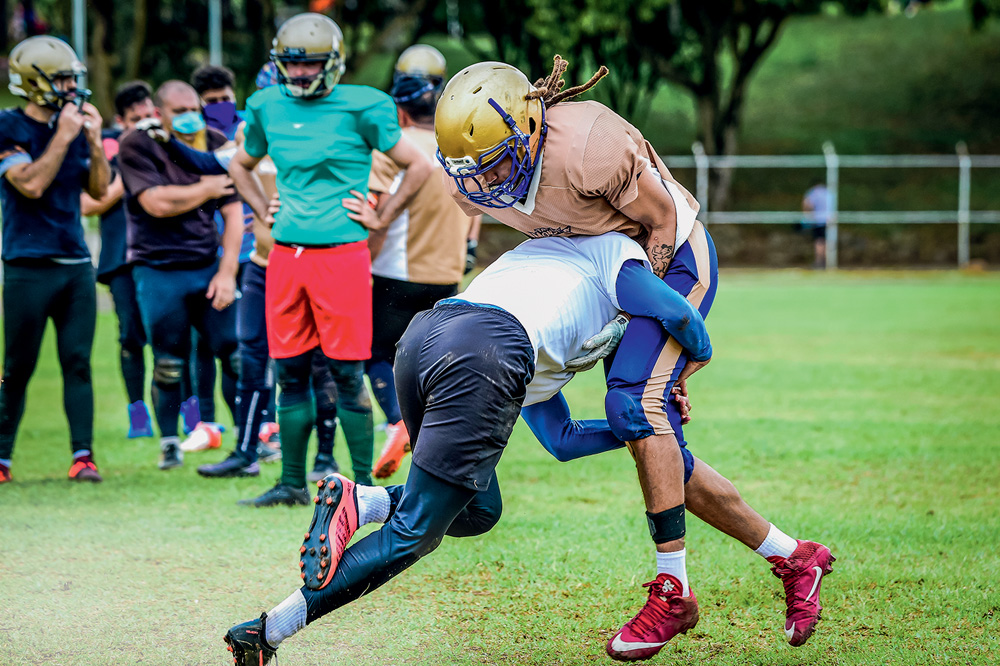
column 308, row 38
column 36, row 67
column 489, row 117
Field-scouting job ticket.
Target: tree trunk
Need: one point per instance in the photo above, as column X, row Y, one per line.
column 136, row 45
column 99, row 68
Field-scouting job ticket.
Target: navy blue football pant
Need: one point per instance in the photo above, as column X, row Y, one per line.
column 131, row 336
column 171, row 302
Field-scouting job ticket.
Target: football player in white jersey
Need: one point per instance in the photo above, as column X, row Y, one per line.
column 463, row 371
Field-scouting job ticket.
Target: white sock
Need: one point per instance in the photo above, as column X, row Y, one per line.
column 373, row 504
column 675, row 565
column 777, row 544
column 285, row 619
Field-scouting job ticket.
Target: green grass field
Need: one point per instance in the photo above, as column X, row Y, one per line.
column 861, row 410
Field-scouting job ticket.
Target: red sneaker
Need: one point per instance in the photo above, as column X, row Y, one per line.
column 802, row 574
column 84, row 469
column 665, row 615
column 335, row 520
column 397, row 445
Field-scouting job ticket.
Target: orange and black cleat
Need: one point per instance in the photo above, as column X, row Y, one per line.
column 248, row 644
column 335, row 520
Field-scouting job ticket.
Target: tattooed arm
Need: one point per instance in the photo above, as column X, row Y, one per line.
column 654, row 209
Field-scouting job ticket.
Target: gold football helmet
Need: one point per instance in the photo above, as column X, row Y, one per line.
column 309, row 38
column 484, row 116
column 422, row 60
column 34, row 66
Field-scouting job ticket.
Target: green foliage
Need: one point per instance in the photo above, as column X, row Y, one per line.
column 859, row 410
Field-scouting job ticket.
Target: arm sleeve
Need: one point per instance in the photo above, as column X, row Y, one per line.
column 139, row 170
column 379, row 125
column 564, row 438
column 255, row 141
column 11, row 152
column 193, row 160
column 642, row 294
column 13, row 159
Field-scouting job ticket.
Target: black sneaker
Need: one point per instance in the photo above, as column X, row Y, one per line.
column 170, row 453
column 281, row 494
column 247, row 643
column 324, row 466
column 234, row 465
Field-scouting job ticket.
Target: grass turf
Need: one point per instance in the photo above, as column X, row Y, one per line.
column 861, row 410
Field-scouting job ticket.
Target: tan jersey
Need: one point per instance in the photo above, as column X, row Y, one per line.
column 426, row 244
column 590, row 165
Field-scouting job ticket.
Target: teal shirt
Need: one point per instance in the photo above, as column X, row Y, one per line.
column 322, row 149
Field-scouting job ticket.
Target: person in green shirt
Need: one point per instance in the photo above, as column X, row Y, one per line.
column 320, row 136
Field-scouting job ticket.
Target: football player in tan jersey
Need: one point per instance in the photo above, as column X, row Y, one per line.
column 549, row 167
column 418, row 258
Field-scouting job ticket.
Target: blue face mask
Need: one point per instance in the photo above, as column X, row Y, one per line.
column 221, row 116
column 188, row 123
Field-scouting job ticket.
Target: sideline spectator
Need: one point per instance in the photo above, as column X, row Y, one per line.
column 319, row 278
column 815, row 205
column 180, row 279
column 133, row 102
column 49, row 151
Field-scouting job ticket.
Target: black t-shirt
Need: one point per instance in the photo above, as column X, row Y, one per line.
column 48, row 227
column 113, row 220
column 189, row 240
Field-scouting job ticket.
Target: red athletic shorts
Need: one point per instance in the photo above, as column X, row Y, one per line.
column 320, row 297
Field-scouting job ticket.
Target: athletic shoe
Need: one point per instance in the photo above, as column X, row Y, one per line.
column 139, row 422
column 267, row 454
column 270, row 434
column 233, row 465
column 665, row 615
column 323, row 466
column 335, row 520
column 248, row 644
column 170, row 454
column 4, row 474
column 802, row 574
column 84, row 469
column 281, row 493
column 396, row 446
column 191, row 414
column 204, row 436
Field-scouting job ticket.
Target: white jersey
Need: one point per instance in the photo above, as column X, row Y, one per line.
column 562, row 290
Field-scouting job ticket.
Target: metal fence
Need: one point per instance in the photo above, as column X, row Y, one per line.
column 833, row 163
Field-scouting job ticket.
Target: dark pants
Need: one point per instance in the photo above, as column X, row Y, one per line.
column 171, row 302
column 203, row 372
column 445, row 354
column 32, row 294
column 255, row 383
column 131, row 336
column 394, row 304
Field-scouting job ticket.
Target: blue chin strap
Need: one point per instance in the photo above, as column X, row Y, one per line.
column 515, row 187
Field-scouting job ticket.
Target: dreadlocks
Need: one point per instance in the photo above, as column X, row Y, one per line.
column 550, row 88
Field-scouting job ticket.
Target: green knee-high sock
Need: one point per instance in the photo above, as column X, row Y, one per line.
column 296, row 423
column 360, row 436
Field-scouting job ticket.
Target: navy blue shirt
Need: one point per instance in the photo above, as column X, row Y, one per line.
column 48, row 227
column 113, row 241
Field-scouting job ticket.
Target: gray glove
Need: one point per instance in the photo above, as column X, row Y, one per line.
column 600, row 345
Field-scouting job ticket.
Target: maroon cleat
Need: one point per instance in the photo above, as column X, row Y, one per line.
column 802, row 574
column 665, row 615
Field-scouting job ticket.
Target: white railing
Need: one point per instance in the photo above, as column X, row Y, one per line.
column 833, row 163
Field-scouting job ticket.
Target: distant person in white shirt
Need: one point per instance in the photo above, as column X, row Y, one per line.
column 816, row 206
